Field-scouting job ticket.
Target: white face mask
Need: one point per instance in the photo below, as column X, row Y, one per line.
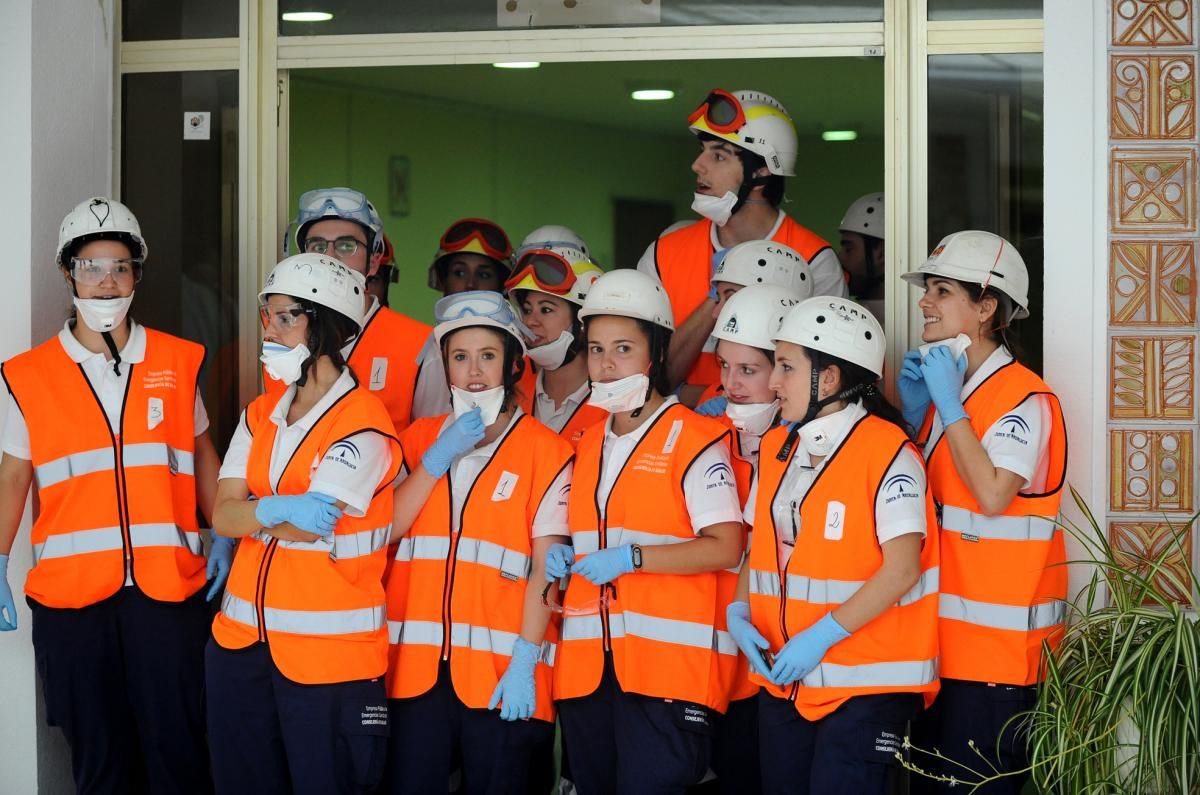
column 624, row 394
column 284, row 363
column 489, row 401
column 551, row 355
column 717, row 209
column 752, row 418
column 820, row 434
column 102, row 314
column 957, row 345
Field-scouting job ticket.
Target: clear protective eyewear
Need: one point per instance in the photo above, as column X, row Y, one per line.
column 345, row 203
column 473, row 303
column 285, row 317
column 341, row 247
column 592, row 607
column 95, row 270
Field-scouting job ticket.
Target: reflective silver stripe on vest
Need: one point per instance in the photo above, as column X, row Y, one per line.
column 423, row 548
column 807, row 589
column 180, row 462
column 976, row 526
column 482, row 639
column 664, row 630
column 165, row 535
column 429, row 633
column 101, row 460
column 80, row 542
column 587, row 541
column 419, row 633
column 725, row 643
column 305, row 622
column 360, row 544
column 74, row 465
column 486, row 553
column 997, row 616
column 905, row 673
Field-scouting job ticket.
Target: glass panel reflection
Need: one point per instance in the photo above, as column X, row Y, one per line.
column 147, row 20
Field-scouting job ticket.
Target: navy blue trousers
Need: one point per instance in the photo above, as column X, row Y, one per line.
column 735, row 750
column 974, row 711
column 433, row 733
column 628, row 743
column 271, row 735
column 124, row 679
column 851, row 750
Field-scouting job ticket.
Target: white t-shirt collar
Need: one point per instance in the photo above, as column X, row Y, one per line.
column 716, row 244
column 637, row 433
column 343, row 384
column 134, row 351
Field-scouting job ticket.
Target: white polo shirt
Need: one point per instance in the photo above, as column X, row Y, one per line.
column 1018, row 440
column 708, row 488
column 353, row 483
column 551, row 516
column 896, row 513
column 109, row 388
column 555, row 417
column 431, row 395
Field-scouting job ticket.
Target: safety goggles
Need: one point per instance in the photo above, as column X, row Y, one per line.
column 490, row 238
column 284, row 317
column 345, row 202
column 475, row 303
column 340, row 247
column 721, row 111
column 550, row 271
column 95, row 270
column 592, row 607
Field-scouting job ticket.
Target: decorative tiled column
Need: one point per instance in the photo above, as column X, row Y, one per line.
column 1153, row 229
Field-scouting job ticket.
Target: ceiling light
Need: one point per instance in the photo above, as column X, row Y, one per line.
column 653, row 94
column 307, row 16
column 517, row 64
column 839, row 135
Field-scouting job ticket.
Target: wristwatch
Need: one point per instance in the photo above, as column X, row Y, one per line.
column 637, row 556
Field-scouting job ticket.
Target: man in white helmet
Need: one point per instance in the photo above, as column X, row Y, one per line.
column 862, row 251
column 748, row 147
column 107, row 417
column 341, row 223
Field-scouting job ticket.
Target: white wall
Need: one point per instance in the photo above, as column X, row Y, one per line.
column 1076, row 200
column 55, row 150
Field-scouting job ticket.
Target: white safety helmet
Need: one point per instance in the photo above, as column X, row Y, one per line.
column 543, row 269
column 477, row 308
column 752, row 316
column 552, row 236
column 320, row 279
column 765, row 262
column 629, row 293
column 865, row 216
column 346, row 204
column 978, row 258
column 838, row 327
column 752, row 120
column 100, row 216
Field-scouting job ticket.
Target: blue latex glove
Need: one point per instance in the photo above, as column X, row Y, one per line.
column 8, row 608
column 311, row 512
column 713, row 262
column 914, row 394
column 713, row 407
column 944, row 378
column 558, row 560
column 748, row 639
column 462, row 435
column 803, row 652
column 220, row 559
column 605, row 565
column 515, row 692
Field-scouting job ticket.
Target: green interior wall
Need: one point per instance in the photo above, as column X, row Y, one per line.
column 523, row 170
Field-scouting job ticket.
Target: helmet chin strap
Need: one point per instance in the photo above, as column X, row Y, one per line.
column 815, row 405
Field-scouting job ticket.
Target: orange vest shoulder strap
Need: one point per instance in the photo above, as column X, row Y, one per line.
column 803, row 240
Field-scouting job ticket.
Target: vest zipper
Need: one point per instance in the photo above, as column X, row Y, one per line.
column 123, row 509
column 605, row 629
column 260, row 588
column 451, row 560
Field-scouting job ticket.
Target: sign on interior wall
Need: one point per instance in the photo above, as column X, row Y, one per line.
column 197, row 125
column 565, row 13
column 398, row 185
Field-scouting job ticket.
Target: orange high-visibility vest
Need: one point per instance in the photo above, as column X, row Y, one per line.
column 896, row 652
column 585, row 416
column 384, row 360
column 684, row 263
column 1004, row 582
column 461, row 596
column 660, row 628
column 735, row 666
column 105, row 495
column 318, row 605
